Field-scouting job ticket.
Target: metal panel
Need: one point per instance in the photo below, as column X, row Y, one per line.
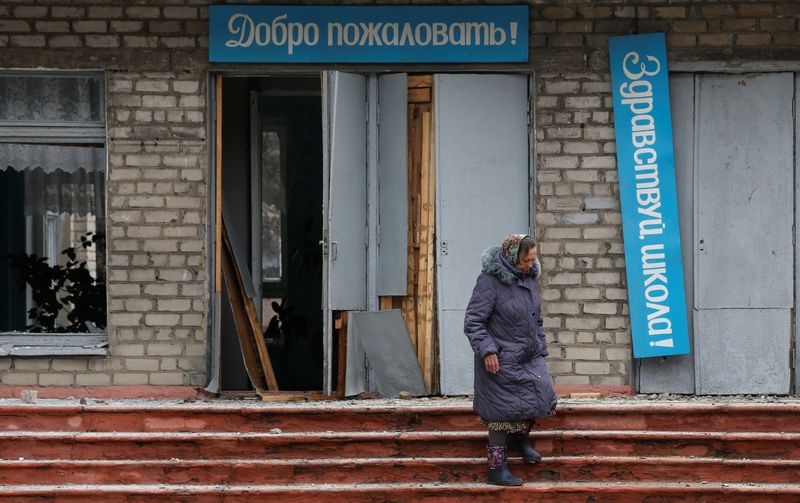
column 392, row 184
column 347, row 205
column 359, row 374
column 482, row 195
column 797, row 244
column 391, row 355
column 745, row 192
column 739, row 352
column 675, row 374
column 372, row 192
column 68, row 344
column 327, row 316
column 215, row 321
column 457, row 359
column 356, row 378
column 744, row 238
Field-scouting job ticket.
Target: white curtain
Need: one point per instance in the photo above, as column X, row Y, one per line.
column 56, row 98
column 58, row 179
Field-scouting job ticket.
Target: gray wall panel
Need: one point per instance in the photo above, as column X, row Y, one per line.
column 740, row 352
column 797, row 244
column 391, row 355
column 457, row 359
column 745, row 191
column 745, row 226
column 393, row 184
column 482, row 195
column 675, row 374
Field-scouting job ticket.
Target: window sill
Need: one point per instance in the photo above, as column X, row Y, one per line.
column 27, row 344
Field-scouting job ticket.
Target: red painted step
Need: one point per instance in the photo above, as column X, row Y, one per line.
column 440, row 416
column 619, row 451
column 255, row 418
column 33, row 445
column 540, row 492
column 398, row 470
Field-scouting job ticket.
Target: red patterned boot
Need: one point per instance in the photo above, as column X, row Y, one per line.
column 498, row 473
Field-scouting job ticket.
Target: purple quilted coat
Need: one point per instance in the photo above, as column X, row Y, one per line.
column 504, row 317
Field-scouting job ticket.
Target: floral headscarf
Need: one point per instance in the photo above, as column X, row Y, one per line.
column 510, row 248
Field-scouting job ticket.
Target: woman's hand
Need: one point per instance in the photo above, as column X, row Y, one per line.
column 492, row 363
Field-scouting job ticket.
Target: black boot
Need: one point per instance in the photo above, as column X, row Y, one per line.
column 498, row 473
column 520, row 442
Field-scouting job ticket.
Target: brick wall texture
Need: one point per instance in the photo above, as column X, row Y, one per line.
column 155, row 60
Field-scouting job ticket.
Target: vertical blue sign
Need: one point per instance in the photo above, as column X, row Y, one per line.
column 648, row 195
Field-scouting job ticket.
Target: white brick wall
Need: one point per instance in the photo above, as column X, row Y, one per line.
column 579, row 229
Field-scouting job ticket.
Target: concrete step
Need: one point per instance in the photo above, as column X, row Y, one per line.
column 227, row 445
column 395, row 470
column 361, row 416
column 548, row 492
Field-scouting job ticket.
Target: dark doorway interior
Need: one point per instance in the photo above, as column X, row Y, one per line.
column 12, row 227
column 272, row 190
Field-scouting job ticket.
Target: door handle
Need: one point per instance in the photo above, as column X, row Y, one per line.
column 334, row 250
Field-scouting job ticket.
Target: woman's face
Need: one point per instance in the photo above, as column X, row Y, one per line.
column 525, row 263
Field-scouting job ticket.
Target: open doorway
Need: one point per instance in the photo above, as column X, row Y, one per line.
column 272, row 200
column 346, row 193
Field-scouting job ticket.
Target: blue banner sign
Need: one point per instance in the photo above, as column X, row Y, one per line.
column 648, row 195
column 375, row 34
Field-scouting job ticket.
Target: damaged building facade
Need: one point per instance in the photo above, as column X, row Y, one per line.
column 331, row 191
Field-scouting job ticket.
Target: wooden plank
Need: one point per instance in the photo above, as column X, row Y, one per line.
column 341, row 376
column 421, row 95
column 295, row 396
column 415, row 137
column 420, row 81
column 425, row 243
column 410, row 315
column 218, row 196
column 235, row 296
column 409, row 303
column 412, row 198
column 254, row 349
column 429, row 370
column 261, row 345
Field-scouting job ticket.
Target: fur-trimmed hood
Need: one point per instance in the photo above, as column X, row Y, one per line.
column 491, row 263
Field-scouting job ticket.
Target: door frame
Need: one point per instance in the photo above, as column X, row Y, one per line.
column 216, row 75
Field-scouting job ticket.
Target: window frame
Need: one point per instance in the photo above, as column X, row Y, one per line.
column 280, row 129
column 25, row 343
column 48, row 132
column 266, row 289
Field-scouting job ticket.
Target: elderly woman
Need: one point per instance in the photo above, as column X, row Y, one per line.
column 504, row 326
